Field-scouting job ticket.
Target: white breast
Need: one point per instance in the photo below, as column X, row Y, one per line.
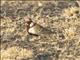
column 35, row 29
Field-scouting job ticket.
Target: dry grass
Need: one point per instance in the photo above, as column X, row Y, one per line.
column 72, row 11
column 16, row 52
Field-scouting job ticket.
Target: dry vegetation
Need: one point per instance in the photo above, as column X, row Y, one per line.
column 60, row 17
column 16, row 53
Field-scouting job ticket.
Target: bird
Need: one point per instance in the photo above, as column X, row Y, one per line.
column 36, row 29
